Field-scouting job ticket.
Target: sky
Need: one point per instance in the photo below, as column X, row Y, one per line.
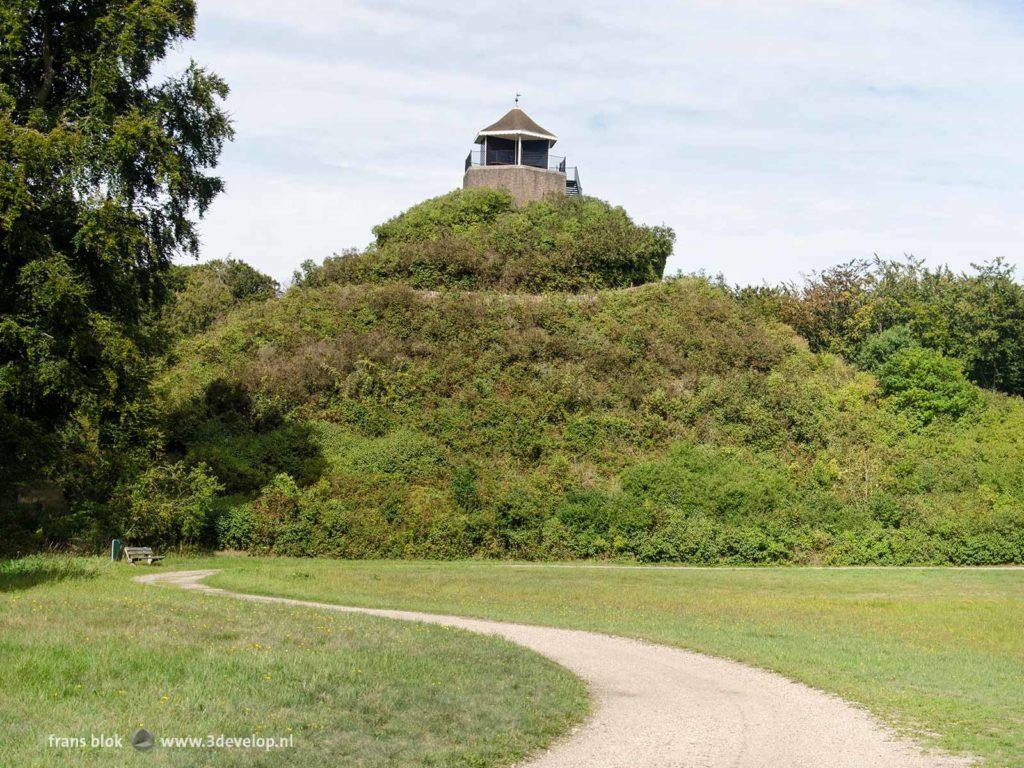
column 775, row 138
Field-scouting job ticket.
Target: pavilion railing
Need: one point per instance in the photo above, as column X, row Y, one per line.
column 508, row 157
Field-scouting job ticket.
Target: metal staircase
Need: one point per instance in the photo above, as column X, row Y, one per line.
column 572, row 182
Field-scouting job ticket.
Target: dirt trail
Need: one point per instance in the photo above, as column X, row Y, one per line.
column 662, row 707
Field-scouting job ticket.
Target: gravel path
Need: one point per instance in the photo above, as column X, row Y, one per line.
column 662, row 707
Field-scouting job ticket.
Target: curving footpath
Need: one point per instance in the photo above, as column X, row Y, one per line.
column 662, row 707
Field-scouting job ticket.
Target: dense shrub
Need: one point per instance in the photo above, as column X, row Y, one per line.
column 663, row 423
column 234, row 526
column 921, row 383
column 244, row 460
column 456, row 213
column 477, row 238
column 169, row 505
column 201, row 293
column 723, row 484
column 359, row 416
column 877, row 348
column 925, row 384
column 415, row 522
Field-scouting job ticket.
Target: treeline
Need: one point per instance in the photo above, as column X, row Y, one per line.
column 974, row 317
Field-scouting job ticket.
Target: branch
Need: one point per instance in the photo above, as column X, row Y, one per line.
column 43, row 92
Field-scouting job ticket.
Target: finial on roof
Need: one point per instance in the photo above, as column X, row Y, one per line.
column 517, row 99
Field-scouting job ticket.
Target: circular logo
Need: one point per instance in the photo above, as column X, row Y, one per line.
column 143, row 740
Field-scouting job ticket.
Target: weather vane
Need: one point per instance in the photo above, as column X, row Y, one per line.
column 517, row 98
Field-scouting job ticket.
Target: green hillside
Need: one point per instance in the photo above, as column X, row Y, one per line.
column 486, row 380
column 478, row 239
column 668, row 421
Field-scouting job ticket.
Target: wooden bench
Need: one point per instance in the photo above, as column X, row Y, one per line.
column 134, row 554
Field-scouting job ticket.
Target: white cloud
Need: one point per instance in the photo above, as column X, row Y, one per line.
column 775, row 137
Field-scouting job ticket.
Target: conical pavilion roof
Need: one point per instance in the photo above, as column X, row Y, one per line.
column 515, row 123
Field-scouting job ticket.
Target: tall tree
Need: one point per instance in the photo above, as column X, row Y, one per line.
column 103, row 170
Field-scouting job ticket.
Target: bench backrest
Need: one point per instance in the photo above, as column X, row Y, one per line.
column 138, row 551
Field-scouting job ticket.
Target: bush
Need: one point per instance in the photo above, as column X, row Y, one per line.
column 721, row 484
column 455, row 213
column 201, row 293
column 170, row 505
column 244, row 460
column 234, row 527
column 403, row 453
column 476, row 239
column 879, row 347
column 924, row 384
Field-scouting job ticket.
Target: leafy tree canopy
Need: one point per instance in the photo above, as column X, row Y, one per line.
column 102, row 168
column 200, row 293
column 976, row 317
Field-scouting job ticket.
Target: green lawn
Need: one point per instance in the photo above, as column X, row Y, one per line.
column 87, row 651
column 938, row 652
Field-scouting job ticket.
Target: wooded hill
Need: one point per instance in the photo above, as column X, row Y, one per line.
column 379, row 408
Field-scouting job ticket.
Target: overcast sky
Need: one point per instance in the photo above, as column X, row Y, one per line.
column 776, row 138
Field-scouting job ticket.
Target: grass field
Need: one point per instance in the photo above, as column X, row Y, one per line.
column 935, row 652
column 87, row 651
